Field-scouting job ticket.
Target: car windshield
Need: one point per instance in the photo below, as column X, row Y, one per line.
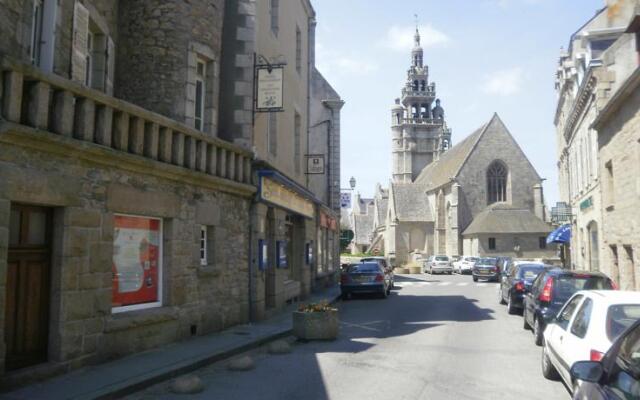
column 530, row 272
column 567, row 285
column 366, row 267
column 629, row 355
column 620, row 317
column 487, row 261
column 442, row 258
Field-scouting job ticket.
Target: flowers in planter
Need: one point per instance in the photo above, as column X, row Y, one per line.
column 316, row 307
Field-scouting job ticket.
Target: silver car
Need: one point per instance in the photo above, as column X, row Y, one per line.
column 440, row 264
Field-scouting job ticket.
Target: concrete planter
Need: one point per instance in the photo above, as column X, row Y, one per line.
column 321, row 325
column 415, row 270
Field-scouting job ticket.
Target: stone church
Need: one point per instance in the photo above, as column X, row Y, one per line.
column 479, row 197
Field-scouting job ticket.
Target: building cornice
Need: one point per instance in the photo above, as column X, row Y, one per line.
column 618, row 100
column 585, row 92
column 93, row 154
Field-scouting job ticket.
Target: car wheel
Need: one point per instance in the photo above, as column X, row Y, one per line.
column 525, row 324
column 537, row 332
column 511, row 309
column 500, row 298
column 475, row 279
column 548, row 370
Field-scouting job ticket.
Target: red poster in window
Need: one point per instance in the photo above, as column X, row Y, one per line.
column 136, row 260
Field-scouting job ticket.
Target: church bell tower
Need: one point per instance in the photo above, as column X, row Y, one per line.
column 418, row 128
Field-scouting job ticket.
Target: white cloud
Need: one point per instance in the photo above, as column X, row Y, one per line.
column 332, row 62
column 400, row 38
column 505, row 82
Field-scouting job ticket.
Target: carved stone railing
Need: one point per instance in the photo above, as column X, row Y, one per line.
column 59, row 106
column 424, row 121
column 430, row 92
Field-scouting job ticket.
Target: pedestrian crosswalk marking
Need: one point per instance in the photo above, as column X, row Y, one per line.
column 425, row 283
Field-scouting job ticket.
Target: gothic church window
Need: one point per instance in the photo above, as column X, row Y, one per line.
column 496, row 182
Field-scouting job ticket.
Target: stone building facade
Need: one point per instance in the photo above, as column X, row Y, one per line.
column 123, row 220
column 583, row 83
column 618, row 127
column 294, row 236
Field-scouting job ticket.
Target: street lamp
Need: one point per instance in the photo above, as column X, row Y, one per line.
column 352, row 183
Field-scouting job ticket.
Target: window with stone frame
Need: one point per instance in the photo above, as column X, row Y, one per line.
column 200, row 95
column 497, row 182
column 298, row 50
column 41, row 40
column 274, row 11
column 207, row 234
column 36, row 32
column 297, row 142
column 542, row 242
column 272, row 134
column 609, row 188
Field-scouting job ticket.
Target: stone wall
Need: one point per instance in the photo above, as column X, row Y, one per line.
column 85, row 195
column 618, row 141
column 478, row 245
column 496, row 144
column 159, row 41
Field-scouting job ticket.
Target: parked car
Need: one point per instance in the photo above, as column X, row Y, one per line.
column 464, row 265
column 514, row 285
column 365, row 277
column 585, row 328
column 383, row 262
column 486, row 268
column 503, row 263
column 616, row 376
column 551, row 290
column 438, row 264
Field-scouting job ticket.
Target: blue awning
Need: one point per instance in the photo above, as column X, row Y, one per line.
column 560, row 235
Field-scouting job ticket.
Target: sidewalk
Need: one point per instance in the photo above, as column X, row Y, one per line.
column 120, row 377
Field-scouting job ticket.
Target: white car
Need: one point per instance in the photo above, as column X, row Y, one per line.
column 438, row 264
column 585, row 328
column 464, row 265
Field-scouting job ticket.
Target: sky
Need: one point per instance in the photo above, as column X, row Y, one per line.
column 485, row 56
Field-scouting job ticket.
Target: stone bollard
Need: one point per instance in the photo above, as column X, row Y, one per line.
column 244, row 363
column 187, row 384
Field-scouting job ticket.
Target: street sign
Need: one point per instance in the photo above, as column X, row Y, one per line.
column 315, row 164
column 345, row 200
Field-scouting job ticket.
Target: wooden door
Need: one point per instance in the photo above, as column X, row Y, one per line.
column 28, row 283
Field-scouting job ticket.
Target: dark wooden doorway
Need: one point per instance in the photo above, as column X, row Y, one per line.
column 28, row 284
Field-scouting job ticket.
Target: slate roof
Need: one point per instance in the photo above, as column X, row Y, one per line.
column 383, row 205
column 364, row 227
column 450, row 162
column 504, row 218
column 411, row 202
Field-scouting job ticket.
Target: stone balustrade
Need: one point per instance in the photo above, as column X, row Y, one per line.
column 54, row 104
column 429, row 92
column 424, row 121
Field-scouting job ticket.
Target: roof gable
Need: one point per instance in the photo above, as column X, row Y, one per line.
column 410, row 203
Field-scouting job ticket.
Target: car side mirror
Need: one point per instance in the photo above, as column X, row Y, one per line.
column 588, row 371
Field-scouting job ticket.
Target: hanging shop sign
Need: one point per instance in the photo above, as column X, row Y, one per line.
column 269, row 88
column 328, row 222
column 315, row 164
column 345, row 200
column 136, row 261
column 279, row 195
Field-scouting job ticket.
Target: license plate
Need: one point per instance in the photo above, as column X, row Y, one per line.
column 363, row 279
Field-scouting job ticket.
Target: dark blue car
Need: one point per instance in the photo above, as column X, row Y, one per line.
column 551, row 290
column 365, row 277
column 516, row 283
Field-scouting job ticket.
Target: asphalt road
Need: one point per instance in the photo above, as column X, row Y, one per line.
column 440, row 337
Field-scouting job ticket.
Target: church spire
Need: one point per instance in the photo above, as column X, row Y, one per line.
column 416, row 38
